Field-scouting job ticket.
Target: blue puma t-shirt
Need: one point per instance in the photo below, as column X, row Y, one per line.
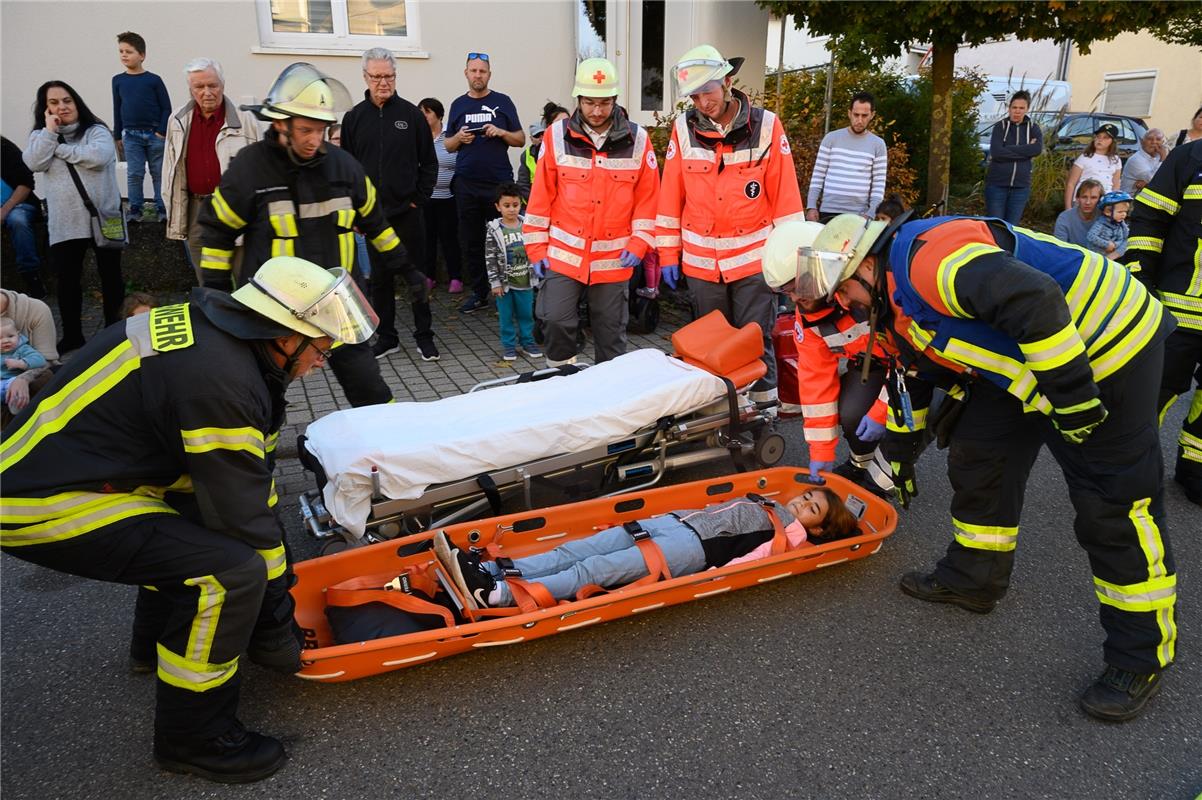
column 485, row 159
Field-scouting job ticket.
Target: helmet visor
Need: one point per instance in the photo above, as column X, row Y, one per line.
column 342, row 313
column 818, row 274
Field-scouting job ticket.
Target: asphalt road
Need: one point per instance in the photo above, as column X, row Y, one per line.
column 828, row 685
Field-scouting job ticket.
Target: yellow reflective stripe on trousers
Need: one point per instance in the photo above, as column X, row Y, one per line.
column 346, row 251
column 1144, row 596
column 226, row 214
column 370, row 203
column 385, row 241
column 88, row 519
column 195, row 676
column 23, row 510
column 948, row 268
column 1000, row 538
column 55, row 412
column 208, row 613
column 283, row 247
column 204, row 440
column 276, row 561
column 1054, row 351
column 1157, row 201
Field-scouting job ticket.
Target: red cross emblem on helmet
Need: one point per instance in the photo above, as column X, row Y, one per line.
column 599, row 76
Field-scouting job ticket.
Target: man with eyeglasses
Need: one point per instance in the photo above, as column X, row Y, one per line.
column 390, row 138
column 486, row 125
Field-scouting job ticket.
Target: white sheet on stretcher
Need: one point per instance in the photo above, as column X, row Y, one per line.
column 415, row 445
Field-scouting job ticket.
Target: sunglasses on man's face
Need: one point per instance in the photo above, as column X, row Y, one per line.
column 481, row 56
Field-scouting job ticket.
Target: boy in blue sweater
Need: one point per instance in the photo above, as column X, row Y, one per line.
column 140, row 111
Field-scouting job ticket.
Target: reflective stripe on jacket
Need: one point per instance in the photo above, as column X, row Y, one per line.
column 824, row 339
column 1044, row 320
column 721, row 196
column 589, row 204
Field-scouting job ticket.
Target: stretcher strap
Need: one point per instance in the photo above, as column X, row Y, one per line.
column 530, row 595
column 657, row 565
column 491, row 492
column 780, row 542
column 369, row 589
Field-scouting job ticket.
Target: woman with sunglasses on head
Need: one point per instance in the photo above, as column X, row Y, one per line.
column 66, row 134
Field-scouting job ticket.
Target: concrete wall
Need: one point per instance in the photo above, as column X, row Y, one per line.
column 1176, row 94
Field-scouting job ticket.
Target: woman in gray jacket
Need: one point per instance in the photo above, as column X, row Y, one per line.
column 1015, row 142
column 65, row 131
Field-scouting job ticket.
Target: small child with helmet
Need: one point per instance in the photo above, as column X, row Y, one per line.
column 1108, row 234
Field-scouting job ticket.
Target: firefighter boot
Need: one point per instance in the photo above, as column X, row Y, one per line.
column 277, row 648
column 237, row 756
column 1119, row 695
column 925, row 587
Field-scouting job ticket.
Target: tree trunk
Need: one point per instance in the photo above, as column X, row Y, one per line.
column 943, row 66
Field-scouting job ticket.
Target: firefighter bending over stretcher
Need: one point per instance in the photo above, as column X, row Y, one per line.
column 677, row 543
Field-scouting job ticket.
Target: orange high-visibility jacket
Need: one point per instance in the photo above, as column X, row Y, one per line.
column 720, row 197
column 824, row 338
column 587, row 205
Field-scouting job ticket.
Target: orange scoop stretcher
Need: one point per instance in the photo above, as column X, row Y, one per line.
column 391, row 572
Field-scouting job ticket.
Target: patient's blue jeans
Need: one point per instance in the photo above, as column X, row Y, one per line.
column 609, row 558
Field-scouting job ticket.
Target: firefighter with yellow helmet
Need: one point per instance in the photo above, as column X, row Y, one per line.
column 591, row 216
column 147, row 461
column 292, row 195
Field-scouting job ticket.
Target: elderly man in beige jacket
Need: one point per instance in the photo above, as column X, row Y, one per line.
column 202, row 136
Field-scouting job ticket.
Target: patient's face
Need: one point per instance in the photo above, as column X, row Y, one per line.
column 810, row 508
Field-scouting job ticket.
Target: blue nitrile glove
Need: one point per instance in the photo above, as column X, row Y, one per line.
column 820, row 466
column 540, row 268
column 869, row 430
column 629, row 260
column 670, row 275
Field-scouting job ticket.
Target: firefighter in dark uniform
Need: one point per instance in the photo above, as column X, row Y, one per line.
column 1165, row 252
column 144, row 462
column 291, row 195
column 1066, row 350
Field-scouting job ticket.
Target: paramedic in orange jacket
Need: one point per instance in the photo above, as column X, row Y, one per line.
column 728, row 179
column 827, row 334
column 591, row 216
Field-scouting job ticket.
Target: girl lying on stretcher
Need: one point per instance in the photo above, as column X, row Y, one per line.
column 688, row 541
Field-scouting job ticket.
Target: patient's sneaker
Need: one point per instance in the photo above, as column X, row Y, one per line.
column 473, row 581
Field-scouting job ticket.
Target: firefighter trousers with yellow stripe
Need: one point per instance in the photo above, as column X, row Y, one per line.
column 214, row 585
column 1183, row 367
column 1115, row 483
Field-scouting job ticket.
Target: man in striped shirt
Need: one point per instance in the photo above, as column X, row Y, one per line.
column 849, row 173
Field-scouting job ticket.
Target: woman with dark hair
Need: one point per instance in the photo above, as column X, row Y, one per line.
column 442, row 216
column 1099, row 162
column 1015, row 142
column 552, row 112
column 65, row 131
column 1193, row 133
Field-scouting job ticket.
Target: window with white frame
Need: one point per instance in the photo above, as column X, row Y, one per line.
column 1129, row 93
column 338, row 25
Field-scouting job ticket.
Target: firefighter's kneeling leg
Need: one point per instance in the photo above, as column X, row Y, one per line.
column 988, row 463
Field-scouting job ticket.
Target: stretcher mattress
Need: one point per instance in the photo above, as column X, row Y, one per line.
column 416, row 445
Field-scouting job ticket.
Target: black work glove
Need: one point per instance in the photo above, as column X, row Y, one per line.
column 1079, row 424
column 905, row 483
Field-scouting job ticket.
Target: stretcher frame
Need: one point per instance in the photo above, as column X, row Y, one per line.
column 529, row 532
column 731, row 427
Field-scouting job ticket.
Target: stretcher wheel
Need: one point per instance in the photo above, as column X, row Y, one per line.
column 334, row 546
column 770, row 449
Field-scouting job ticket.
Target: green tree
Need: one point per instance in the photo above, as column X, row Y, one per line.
column 881, row 30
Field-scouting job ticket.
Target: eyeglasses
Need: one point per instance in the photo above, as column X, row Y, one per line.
column 325, row 354
column 481, row 56
column 389, row 78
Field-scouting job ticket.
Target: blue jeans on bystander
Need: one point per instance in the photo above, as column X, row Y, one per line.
column 1006, row 202
column 20, row 223
column 143, row 148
